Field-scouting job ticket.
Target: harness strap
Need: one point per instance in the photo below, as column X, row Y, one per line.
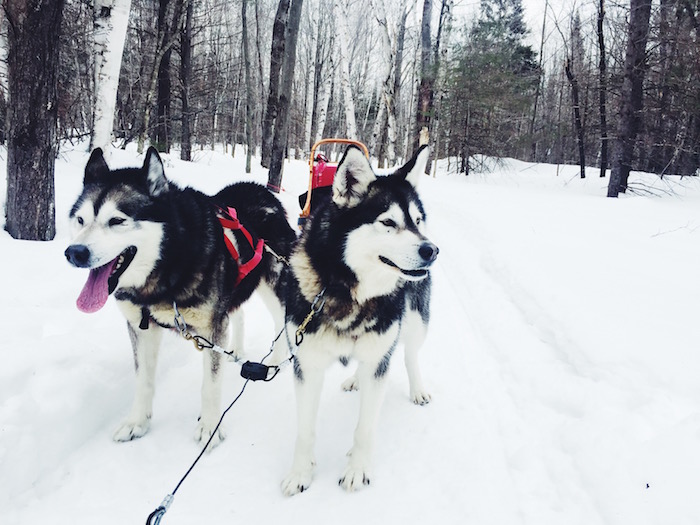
column 229, row 220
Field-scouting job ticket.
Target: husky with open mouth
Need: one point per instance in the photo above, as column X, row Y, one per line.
column 159, row 248
column 359, row 283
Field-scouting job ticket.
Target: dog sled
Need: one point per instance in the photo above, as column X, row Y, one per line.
column 321, row 173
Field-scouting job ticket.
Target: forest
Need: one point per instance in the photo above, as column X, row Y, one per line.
column 606, row 83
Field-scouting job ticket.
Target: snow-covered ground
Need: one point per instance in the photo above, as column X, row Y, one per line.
column 563, row 358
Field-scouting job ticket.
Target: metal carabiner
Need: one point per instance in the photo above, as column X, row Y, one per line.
column 316, row 307
column 180, row 321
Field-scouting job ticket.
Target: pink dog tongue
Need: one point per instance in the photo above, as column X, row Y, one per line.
column 96, row 289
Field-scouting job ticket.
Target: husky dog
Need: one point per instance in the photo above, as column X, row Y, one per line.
column 159, row 248
column 362, row 267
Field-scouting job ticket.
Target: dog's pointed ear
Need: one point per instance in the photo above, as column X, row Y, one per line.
column 96, row 167
column 415, row 167
column 353, row 177
column 155, row 174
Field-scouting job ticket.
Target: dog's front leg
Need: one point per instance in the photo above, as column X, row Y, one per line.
column 145, row 344
column 211, row 400
column 308, row 386
column 372, row 386
column 413, row 335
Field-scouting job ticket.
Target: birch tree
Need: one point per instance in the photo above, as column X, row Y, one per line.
column 311, row 69
column 342, row 32
column 111, row 19
column 387, row 106
column 441, row 46
column 427, row 77
column 4, row 88
column 325, row 96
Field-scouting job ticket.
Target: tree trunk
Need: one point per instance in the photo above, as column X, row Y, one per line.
column 391, row 45
column 32, row 110
column 602, row 91
column 342, row 33
column 398, row 69
column 323, row 100
column 378, row 128
column 279, row 145
column 427, row 79
column 441, row 47
column 631, row 96
column 248, row 90
column 573, row 82
column 261, row 73
column 164, row 43
column 310, row 82
column 279, row 30
column 186, row 82
column 533, row 146
column 111, row 19
column 161, row 133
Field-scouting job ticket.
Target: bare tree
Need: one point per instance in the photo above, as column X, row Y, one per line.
column 631, row 96
column 343, row 33
column 186, row 82
column 276, row 61
column 441, row 46
column 602, row 90
column 166, row 37
column 325, row 89
column 310, row 82
column 248, row 89
column 393, row 38
column 110, row 22
column 533, row 154
column 279, row 145
column 162, row 132
column 574, row 60
column 427, row 77
column 31, row 149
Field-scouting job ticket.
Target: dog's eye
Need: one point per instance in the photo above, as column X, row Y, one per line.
column 116, row 221
column 389, row 223
column 418, row 220
column 80, row 220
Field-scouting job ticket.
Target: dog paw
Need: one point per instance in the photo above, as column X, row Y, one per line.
column 350, row 384
column 129, row 430
column 354, row 479
column 203, row 432
column 296, row 482
column 420, row 397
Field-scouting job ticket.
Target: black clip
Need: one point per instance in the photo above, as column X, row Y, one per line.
column 257, row 371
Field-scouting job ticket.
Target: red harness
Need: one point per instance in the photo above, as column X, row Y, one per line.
column 229, row 221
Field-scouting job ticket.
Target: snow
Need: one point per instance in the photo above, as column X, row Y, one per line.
column 562, row 359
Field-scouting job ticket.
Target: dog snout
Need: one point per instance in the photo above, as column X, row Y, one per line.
column 78, row 255
column 428, row 251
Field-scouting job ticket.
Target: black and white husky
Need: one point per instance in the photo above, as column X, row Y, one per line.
column 362, row 266
column 158, row 248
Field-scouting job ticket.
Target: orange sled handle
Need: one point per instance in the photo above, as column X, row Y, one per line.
column 307, row 206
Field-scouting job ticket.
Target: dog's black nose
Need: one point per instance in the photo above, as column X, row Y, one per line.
column 428, row 251
column 78, row 255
